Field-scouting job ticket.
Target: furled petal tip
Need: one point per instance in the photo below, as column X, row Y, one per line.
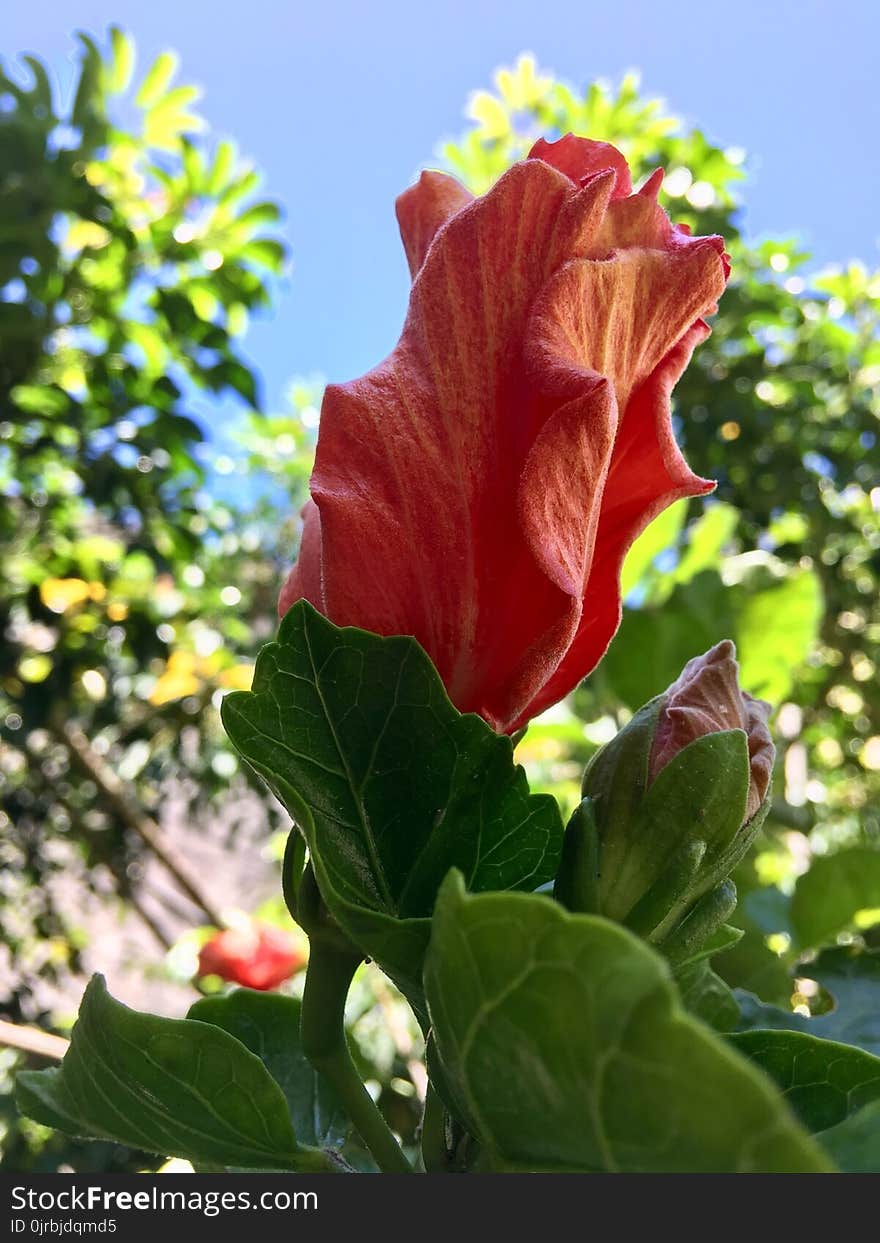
column 582, row 158
column 423, row 209
column 706, row 699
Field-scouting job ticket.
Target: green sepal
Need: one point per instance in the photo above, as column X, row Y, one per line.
column 705, row 995
column 674, row 882
column 724, row 938
column 701, row 793
column 577, row 882
column 707, row 916
column 660, row 846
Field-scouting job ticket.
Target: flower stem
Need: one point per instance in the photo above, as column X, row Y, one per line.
column 322, row 1032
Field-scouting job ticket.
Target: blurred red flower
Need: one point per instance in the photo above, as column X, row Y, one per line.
column 257, row 956
column 480, row 488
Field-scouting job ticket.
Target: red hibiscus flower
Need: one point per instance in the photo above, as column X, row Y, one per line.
column 255, row 956
column 480, row 488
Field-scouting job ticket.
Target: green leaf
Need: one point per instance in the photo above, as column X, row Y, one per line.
column 268, row 1025
column 151, row 343
column 42, row 88
column 827, row 898
column 660, row 535
column 706, row 540
column 174, row 101
column 243, row 184
column 87, row 101
column 256, row 216
column 653, row 644
column 823, row 1081
column 156, row 80
column 852, row 977
column 194, row 168
column 224, row 164
column 775, row 630
column 166, row 120
column 265, row 252
column 170, row 1086
column 39, row 399
column 564, row 1046
column 772, row 612
column 118, row 73
column 389, row 783
column 854, row 1145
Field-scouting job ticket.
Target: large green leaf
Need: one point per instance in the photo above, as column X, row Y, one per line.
column 170, row 1086
column 268, row 1025
column 852, row 977
column 824, row 1081
column 854, row 1145
column 389, row 783
column 828, row 896
column 563, row 1045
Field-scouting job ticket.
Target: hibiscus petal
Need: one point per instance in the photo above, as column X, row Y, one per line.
column 560, row 493
column 762, row 752
column 648, row 473
column 640, row 221
column 304, row 580
column 423, row 209
column 560, row 498
column 704, row 699
column 580, row 158
column 615, row 318
column 620, row 316
column 418, row 461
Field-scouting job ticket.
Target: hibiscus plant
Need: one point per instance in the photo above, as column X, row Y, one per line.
column 472, row 502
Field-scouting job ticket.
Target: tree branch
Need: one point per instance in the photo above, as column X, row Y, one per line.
column 32, row 1040
column 132, row 815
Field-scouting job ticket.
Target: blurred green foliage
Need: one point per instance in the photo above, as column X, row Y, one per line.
column 132, row 252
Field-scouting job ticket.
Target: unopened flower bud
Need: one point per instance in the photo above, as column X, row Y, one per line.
column 670, row 807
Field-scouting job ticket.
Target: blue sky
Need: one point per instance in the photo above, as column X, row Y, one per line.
column 340, row 103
